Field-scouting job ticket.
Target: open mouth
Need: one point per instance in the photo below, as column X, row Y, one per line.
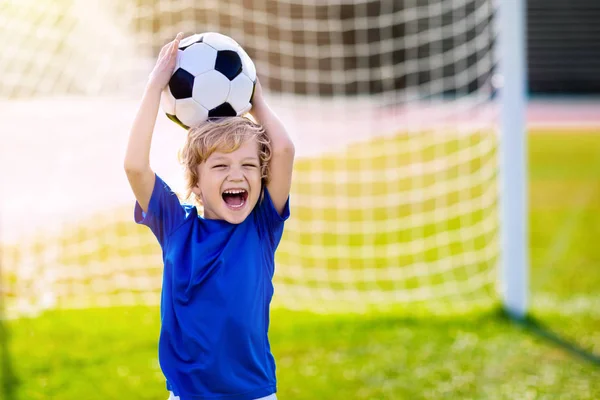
column 235, row 198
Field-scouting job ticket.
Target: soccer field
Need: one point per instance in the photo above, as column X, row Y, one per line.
column 111, row 353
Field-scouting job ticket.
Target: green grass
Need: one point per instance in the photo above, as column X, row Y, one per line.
column 111, row 353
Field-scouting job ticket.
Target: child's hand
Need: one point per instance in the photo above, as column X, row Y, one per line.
column 161, row 74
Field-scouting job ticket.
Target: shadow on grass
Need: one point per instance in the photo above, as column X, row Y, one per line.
column 538, row 328
column 485, row 322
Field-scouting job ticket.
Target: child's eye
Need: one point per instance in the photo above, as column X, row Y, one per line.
column 250, row 165
column 220, row 166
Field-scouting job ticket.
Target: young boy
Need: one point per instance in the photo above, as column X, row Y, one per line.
column 218, row 268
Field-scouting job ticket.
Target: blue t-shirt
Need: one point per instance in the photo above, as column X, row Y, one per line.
column 216, row 292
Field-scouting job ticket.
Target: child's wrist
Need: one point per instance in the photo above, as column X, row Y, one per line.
column 258, row 105
column 152, row 86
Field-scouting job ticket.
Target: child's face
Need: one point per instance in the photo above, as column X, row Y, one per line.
column 230, row 183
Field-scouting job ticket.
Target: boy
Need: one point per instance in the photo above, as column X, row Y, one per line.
column 218, row 267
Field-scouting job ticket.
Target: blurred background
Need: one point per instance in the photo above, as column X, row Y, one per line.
column 387, row 281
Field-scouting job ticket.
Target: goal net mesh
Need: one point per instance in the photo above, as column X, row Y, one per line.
column 390, row 103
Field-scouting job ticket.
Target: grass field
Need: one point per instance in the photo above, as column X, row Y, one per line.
column 111, row 353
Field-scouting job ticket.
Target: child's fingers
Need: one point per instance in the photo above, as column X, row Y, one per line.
column 173, row 52
column 169, row 45
column 176, row 41
column 169, row 50
column 164, row 50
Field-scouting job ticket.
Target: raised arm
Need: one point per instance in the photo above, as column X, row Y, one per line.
column 137, row 157
column 283, row 150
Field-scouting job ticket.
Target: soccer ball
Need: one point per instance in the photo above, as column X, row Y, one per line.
column 213, row 77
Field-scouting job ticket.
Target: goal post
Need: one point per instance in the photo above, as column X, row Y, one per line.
column 513, row 156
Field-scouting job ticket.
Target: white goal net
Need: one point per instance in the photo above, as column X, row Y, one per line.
column 390, row 103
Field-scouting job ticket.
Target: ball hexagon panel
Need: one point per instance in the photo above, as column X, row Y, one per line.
column 190, row 40
column 211, row 89
column 248, row 66
column 220, row 42
column 223, row 110
column 228, row 63
column 245, row 109
column 198, row 59
column 190, row 113
column 167, row 101
column 240, row 93
column 178, row 59
column 181, row 84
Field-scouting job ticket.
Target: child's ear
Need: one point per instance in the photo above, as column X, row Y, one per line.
column 196, row 189
column 197, row 193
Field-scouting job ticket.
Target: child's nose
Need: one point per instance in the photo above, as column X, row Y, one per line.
column 235, row 174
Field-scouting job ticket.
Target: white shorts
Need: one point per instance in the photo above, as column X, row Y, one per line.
column 269, row 397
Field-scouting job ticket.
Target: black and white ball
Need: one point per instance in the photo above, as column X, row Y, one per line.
column 213, row 77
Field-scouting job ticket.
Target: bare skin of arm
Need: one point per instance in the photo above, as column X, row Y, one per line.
column 283, row 150
column 137, row 158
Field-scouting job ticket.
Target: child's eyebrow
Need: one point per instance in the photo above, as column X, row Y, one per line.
column 223, row 158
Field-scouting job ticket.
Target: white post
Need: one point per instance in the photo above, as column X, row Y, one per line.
column 513, row 158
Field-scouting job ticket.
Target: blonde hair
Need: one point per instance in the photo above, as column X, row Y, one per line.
column 224, row 135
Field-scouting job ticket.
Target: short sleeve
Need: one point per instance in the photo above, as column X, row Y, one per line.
column 165, row 212
column 270, row 222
